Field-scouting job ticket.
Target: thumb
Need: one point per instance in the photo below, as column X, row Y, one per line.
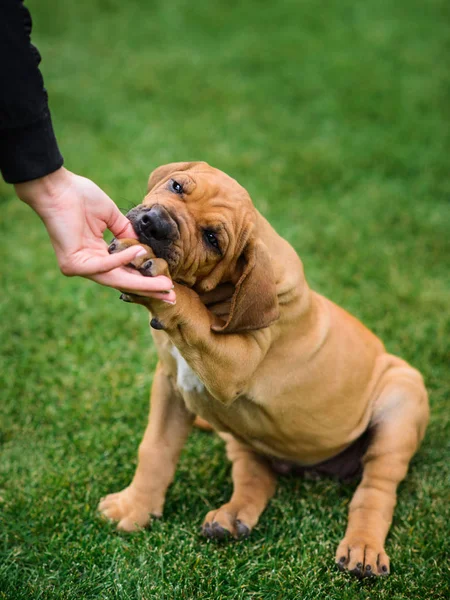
column 119, row 225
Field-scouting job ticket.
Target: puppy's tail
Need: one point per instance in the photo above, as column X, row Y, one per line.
column 202, row 424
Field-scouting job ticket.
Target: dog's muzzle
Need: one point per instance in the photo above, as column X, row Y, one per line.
column 153, row 224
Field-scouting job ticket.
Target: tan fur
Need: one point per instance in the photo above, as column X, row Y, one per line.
column 283, row 373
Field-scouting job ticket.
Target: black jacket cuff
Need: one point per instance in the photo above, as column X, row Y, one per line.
column 29, row 152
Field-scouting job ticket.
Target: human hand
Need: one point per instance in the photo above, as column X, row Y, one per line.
column 76, row 212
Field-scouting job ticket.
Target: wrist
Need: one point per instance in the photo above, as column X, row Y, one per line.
column 43, row 192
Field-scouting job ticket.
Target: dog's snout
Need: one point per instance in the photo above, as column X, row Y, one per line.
column 145, row 219
column 152, row 224
column 156, row 223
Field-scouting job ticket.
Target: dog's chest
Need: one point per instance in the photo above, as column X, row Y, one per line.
column 187, row 380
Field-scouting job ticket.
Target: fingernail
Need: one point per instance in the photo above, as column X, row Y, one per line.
column 170, row 302
column 141, row 252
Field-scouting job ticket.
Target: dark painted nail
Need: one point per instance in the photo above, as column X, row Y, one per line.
column 359, row 565
column 342, row 559
column 368, row 568
column 384, row 568
column 125, row 298
column 156, row 323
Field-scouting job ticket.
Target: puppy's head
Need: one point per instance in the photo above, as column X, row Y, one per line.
column 203, row 223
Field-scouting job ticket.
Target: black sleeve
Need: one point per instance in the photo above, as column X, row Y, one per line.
column 28, row 147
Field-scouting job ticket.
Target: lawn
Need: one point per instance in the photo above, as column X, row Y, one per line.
column 335, row 117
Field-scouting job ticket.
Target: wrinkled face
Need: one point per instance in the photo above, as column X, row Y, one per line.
column 198, row 219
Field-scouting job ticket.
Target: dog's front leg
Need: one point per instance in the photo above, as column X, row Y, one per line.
column 224, row 362
column 169, row 425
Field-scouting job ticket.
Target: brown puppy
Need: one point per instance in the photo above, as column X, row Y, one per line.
column 287, row 378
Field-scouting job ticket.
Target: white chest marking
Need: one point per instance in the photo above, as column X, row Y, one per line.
column 187, row 380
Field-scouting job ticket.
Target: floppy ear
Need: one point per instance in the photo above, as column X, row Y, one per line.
column 254, row 304
column 164, row 171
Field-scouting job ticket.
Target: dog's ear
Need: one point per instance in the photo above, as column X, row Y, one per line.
column 164, row 171
column 254, row 304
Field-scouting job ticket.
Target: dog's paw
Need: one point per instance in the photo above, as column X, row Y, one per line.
column 362, row 557
column 154, row 267
column 120, row 245
column 147, row 264
column 132, row 510
column 225, row 523
column 138, row 262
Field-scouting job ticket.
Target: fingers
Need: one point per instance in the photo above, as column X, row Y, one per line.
column 134, row 283
column 89, row 265
column 169, row 297
column 120, row 259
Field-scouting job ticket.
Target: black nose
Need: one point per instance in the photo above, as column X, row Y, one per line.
column 156, row 223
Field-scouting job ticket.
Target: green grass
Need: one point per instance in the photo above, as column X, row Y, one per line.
column 334, row 115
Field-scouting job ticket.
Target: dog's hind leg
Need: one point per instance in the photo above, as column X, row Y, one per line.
column 399, row 420
column 254, row 484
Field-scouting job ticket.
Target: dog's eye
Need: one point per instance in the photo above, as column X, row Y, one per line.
column 212, row 239
column 177, row 187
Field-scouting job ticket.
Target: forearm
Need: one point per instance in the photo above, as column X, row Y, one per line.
column 28, row 148
column 42, row 194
